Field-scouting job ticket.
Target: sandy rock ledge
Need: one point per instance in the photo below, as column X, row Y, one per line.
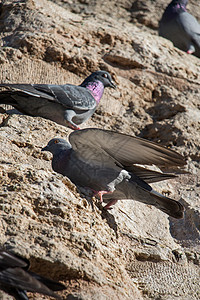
column 134, row 251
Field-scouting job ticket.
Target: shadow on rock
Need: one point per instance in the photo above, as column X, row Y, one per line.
column 186, row 230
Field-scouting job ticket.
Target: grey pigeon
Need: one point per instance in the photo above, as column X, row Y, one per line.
column 180, row 27
column 104, row 161
column 15, row 279
column 67, row 104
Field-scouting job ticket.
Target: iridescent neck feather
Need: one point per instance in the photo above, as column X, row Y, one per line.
column 179, row 7
column 97, row 89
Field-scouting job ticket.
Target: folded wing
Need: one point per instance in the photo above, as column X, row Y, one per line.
column 70, row 96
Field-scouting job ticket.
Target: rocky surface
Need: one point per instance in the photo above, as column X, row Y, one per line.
column 133, row 251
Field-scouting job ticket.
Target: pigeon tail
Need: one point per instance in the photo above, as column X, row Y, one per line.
column 167, row 205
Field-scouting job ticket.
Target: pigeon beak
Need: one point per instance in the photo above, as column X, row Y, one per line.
column 112, row 85
column 45, row 148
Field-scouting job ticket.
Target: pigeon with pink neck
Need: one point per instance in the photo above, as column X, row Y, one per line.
column 68, row 105
column 180, row 27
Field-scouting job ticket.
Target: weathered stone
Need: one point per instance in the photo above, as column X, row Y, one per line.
column 133, row 251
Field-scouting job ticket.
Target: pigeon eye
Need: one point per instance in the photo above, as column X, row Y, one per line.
column 56, row 141
column 105, row 75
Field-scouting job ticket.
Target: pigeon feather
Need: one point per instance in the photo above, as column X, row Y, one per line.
column 15, row 278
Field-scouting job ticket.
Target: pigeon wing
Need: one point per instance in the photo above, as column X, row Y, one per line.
column 111, row 148
column 51, row 284
column 7, row 259
column 13, row 273
column 25, row 90
column 70, row 96
column 147, row 175
column 20, row 279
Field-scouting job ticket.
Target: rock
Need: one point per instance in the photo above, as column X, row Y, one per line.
column 133, row 251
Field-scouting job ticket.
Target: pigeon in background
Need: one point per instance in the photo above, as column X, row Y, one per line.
column 67, row 104
column 180, row 27
column 104, row 161
column 15, row 279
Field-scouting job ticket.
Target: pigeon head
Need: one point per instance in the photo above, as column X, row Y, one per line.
column 96, row 83
column 56, row 145
column 184, row 2
column 173, row 9
column 179, row 4
column 101, row 76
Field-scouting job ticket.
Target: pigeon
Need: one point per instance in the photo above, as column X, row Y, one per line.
column 180, row 27
column 68, row 105
column 15, row 279
column 107, row 163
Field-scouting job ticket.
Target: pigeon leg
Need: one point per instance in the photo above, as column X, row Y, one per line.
column 191, row 49
column 101, row 193
column 69, row 114
column 110, row 203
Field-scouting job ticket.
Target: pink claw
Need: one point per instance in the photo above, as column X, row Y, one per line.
column 108, row 206
column 74, row 127
column 100, row 194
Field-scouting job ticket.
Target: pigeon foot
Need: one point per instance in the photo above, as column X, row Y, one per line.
column 74, row 127
column 108, row 206
column 191, row 49
column 101, row 193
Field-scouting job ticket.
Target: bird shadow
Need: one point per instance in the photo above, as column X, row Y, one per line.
column 5, row 121
column 105, row 214
column 88, row 195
